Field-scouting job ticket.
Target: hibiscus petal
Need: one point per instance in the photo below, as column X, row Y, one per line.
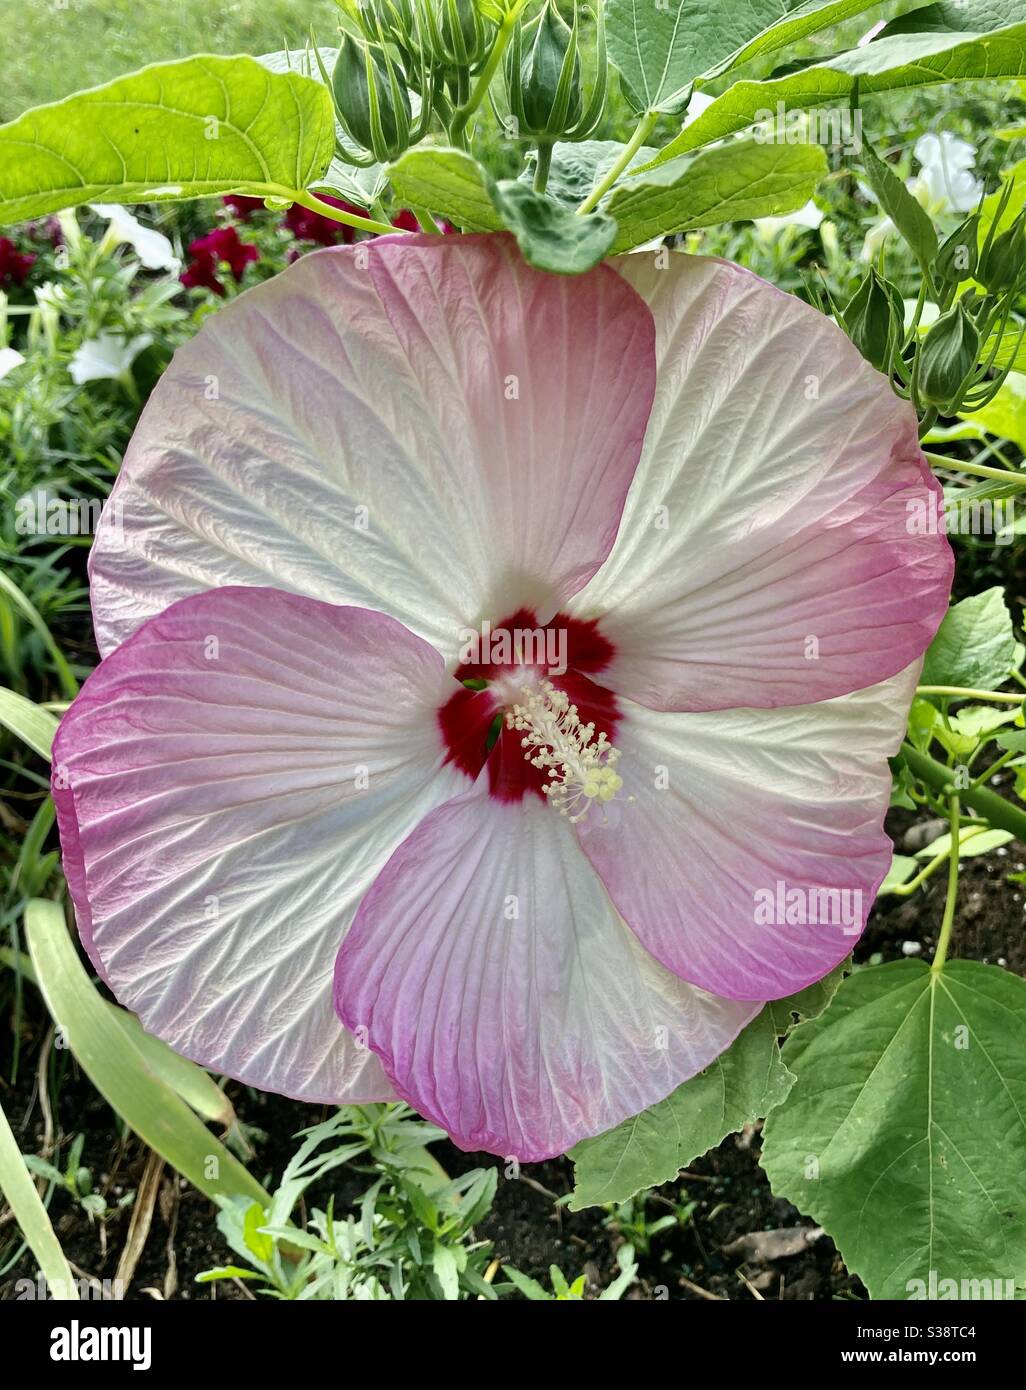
column 731, row 811
column 424, row 425
column 768, row 553
column 507, row 1000
column 228, row 784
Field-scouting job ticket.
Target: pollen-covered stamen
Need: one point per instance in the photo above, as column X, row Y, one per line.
column 580, row 764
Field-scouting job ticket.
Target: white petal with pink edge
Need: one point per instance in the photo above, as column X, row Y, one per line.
column 746, row 846
column 424, row 425
column 506, row 998
column 228, row 784
column 777, row 544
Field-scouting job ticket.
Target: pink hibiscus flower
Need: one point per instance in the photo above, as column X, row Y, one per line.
column 291, row 778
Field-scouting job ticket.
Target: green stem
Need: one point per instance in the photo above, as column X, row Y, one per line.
column 999, row 812
column 484, row 77
column 963, row 692
column 995, row 766
column 905, row 890
column 947, row 921
column 541, row 169
column 978, row 470
column 643, row 130
column 351, row 219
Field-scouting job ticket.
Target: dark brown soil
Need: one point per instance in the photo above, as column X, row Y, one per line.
column 527, row 1225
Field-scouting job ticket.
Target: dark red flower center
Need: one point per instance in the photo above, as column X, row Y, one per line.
column 507, row 660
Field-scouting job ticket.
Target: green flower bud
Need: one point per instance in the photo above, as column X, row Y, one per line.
column 550, row 108
column 872, row 318
column 371, row 99
column 1001, row 264
column 959, row 254
column 947, row 356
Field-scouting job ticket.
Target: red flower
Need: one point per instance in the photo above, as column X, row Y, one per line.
column 241, row 206
column 314, row 226
column 406, row 221
column 14, row 264
column 207, row 252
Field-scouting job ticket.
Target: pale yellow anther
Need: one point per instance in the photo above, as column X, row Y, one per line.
column 580, row 766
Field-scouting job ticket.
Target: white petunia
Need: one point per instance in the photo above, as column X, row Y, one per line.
column 152, row 247
column 9, row 359
column 106, row 357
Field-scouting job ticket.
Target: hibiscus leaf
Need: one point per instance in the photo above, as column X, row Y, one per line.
column 740, row 1087
column 974, row 645
column 660, row 49
column 577, row 166
column 736, row 182
column 904, row 1131
column 888, row 64
column 183, row 129
column 449, row 183
column 550, row 235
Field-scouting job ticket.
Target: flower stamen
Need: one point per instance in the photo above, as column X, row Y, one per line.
column 581, row 765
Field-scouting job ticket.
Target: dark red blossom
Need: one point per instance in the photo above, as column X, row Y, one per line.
column 14, row 264
column 314, row 226
column 406, row 221
column 241, row 206
column 207, row 253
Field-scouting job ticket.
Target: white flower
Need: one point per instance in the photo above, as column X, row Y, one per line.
column 106, row 357
column 947, row 171
column 809, row 216
column 153, row 248
column 875, row 238
column 9, row 359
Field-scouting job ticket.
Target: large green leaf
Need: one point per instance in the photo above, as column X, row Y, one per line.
column 905, row 1130
column 974, row 645
column 903, row 60
column 578, row 165
column 447, row 182
column 119, row 1071
column 740, row 1087
column 184, row 129
column 732, row 183
column 659, row 50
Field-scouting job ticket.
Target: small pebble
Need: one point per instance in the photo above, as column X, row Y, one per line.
column 911, row 948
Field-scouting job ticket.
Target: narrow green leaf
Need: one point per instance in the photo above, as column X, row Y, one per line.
column 29, row 611
column 447, row 182
column 27, row 721
column 904, row 1132
column 733, row 183
column 890, row 64
column 32, row 1217
column 550, row 235
column 185, row 129
column 905, row 211
column 117, row 1069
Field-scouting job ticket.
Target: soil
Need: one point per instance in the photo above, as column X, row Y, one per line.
column 693, row 1259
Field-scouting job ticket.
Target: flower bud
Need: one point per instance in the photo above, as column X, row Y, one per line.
column 550, row 105
column 1001, row 264
column 872, row 319
column 947, row 356
column 959, row 253
column 371, row 100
